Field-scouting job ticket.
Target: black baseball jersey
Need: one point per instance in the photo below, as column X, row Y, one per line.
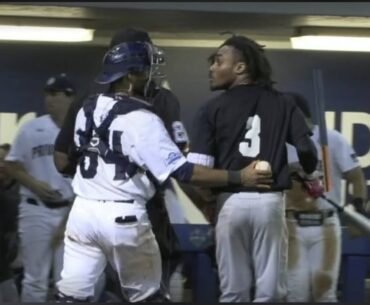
column 247, row 123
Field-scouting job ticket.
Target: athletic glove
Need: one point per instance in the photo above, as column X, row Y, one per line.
column 359, row 205
column 311, row 183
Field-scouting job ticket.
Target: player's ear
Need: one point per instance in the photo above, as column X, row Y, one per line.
column 240, row 68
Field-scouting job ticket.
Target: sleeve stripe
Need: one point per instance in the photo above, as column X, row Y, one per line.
column 201, row 159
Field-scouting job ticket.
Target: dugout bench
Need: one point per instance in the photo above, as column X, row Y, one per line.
column 196, row 239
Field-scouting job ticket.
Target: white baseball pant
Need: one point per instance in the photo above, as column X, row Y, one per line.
column 251, row 246
column 314, row 261
column 37, row 227
column 93, row 237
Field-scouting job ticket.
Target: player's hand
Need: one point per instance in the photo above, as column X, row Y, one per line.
column 206, row 195
column 311, row 183
column 314, row 188
column 252, row 177
column 45, row 192
column 210, row 213
column 359, row 205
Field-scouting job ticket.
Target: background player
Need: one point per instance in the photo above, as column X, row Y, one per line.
column 247, row 122
column 116, row 177
column 45, row 194
column 313, row 224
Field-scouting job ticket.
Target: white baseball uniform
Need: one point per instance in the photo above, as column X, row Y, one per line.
column 108, row 221
column 33, row 147
column 314, row 251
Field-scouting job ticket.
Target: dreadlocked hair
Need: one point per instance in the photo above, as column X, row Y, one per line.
column 253, row 54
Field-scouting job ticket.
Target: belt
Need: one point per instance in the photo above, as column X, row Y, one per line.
column 295, row 213
column 309, row 218
column 50, row 205
column 119, row 201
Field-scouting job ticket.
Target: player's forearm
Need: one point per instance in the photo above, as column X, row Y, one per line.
column 18, row 172
column 64, row 164
column 356, row 177
column 307, row 154
column 204, row 176
column 200, row 175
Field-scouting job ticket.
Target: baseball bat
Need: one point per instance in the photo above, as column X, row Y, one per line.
column 348, row 211
column 356, row 219
column 320, row 114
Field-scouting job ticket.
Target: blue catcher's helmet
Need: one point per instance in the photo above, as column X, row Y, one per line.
column 129, row 57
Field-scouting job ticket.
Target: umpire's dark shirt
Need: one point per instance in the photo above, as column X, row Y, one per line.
column 9, row 201
column 223, row 132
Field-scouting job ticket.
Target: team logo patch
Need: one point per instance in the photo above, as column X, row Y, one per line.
column 172, row 157
column 51, row 81
column 201, row 239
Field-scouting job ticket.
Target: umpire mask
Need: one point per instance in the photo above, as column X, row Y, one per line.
column 131, row 57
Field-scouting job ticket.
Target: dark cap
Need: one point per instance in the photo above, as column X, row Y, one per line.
column 60, row 83
column 129, row 35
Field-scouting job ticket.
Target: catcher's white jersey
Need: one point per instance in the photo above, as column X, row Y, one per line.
column 342, row 159
column 141, row 136
column 34, row 147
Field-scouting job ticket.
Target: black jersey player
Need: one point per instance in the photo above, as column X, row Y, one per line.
column 249, row 121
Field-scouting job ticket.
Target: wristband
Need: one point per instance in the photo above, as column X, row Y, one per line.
column 234, row 178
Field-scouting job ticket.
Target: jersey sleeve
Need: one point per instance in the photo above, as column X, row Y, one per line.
column 298, row 126
column 151, row 145
column 292, row 154
column 79, row 126
column 20, row 149
column 344, row 155
column 202, row 150
column 167, row 107
column 64, row 141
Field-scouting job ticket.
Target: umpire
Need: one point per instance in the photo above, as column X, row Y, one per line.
column 167, row 107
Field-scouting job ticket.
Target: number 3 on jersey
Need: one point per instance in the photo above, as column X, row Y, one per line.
column 250, row 146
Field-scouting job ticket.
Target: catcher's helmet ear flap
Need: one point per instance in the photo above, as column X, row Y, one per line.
column 125, row 58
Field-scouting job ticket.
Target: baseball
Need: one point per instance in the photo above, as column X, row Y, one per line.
column 263, row 165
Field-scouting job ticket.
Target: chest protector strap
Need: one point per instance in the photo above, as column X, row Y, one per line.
column 94, row 140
